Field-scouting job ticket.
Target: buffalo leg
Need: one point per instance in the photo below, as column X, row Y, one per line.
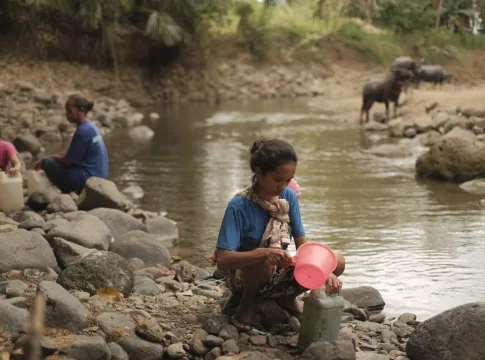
column 387, row 109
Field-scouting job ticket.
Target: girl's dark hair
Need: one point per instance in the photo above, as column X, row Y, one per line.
column 81, row 103
column 267, row 155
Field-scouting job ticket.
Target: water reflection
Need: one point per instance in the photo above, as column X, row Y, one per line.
column 419, row 243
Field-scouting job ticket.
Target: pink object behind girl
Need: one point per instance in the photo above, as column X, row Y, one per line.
column 7, row 150
column 293, row 185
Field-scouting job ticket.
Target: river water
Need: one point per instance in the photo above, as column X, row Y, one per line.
column 419, row 244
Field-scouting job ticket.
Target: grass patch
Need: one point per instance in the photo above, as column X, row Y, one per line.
column 436, row 46
column 286, row 33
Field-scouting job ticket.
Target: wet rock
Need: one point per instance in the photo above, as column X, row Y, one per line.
column 5, row 220
column 96, row 270
column 101, row 193
column 164, row 229
column 146, row 286
column 67, row 252
column 475, row 187
column 410, row 132
column 80, row 347
column 429, row 139
column 212, row 326
column 271, row 313
column 365, row 297
column 325, row 350
column 391, row 151
column 14, row 292
column 459, row 132
column 30, row 224
column 85, row 230
column 375, row 126
column 230, row 346
column 452, row 159
column 469, row 111
column 258, row 340
column 22, row 249
column 39, row 200
column 378, row 318
column 12, row 284
column 294, row 324
column 370, row 356
column 136, row 264
column 13, row 319
column 139, row 349
column 133, row 192
column 141, row 133
column 198, row 346
column 423, row 124
column 187, row 272
column 27, row 142
column 229, row 332
column 62, row 310
column 117, row 352
column 144, row 246
column 454, row 334
column 176, row 351
column 407, row 317
column 212, row 341
column 150, row 330
column 379, row 117
column 63, row 203
column 115, row 325
column 117, row 221
column 215, row 353
column 19, row 302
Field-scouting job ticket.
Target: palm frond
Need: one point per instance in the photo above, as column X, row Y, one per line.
column 162, row 27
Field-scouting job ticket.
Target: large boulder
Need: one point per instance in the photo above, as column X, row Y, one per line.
column 146, row 247
column 457, row 333
column 23, row 249
column 63, row 310
column 455, row 159
column 85, row 230
column 164, row 229
column 101, row 193
column 97, row 270
column 117, row 221
column 365, row 297
column 40, row 200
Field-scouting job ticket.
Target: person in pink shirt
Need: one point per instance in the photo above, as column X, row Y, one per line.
column 9, row 161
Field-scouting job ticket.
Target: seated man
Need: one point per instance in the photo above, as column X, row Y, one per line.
column 87, row 155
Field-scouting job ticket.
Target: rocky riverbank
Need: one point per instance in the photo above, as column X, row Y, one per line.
column 113, row 291
column 450, row 142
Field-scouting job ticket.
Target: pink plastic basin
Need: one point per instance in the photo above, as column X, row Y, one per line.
column 314, row 262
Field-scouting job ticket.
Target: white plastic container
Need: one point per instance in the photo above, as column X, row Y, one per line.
column 11, row 192
column 37, row 181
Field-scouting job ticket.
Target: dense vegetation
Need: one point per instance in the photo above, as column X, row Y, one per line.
column 155, row 31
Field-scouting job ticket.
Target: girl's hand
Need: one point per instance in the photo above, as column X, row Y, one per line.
column 333, row 283
column 278, row 257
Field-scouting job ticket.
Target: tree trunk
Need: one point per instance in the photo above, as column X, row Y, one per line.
column 438, row 14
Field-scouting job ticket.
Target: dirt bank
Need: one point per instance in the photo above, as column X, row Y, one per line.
column 336, row 83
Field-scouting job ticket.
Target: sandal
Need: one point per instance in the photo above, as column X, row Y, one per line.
column 241, row 327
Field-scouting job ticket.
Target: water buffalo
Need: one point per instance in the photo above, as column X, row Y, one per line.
column 383, row 91
column 435, row 74
column 407, row 63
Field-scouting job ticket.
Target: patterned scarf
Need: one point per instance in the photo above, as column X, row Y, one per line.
column 276, row 232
